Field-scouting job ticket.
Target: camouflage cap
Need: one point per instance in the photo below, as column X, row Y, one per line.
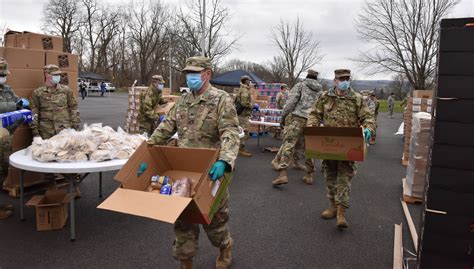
column 52, row 69
column 342, row 73
column 3, row 67
column 158, row 78
column 313, row 73
column 283, row 86
column 197, row 64
column 242, row 78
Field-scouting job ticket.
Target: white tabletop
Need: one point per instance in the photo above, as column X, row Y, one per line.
column 24, row 160
column 264, row 123
column 241, row 134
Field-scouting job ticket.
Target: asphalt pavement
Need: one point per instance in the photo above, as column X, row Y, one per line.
column 272, row 227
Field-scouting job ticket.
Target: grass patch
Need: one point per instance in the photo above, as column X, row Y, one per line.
column 384, row 106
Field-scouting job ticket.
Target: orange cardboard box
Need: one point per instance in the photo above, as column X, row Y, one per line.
column 25, row 78
column 171, row 98
column 164, row 109
column 28, row 40
column 176, row 163
column 23, row 92
column 335, row 143
column 51, row 209
column 65, row 61
column 23, row 58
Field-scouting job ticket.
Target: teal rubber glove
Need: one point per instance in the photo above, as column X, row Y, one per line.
column 143, row 166
column 217, row 170
column 368, row 135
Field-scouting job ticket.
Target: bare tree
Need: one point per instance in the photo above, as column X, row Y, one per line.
column 62, row 18
column 191, row 20
column 400, row 86
column 298, row 48
column 260, row 70
column 278, row 69
column 405, row 33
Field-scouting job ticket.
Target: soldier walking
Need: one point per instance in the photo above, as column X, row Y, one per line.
column 391, row 104
column 244, row 98
column 148, row 119
column 294, row 117
column 204, row 118
column 340, row 106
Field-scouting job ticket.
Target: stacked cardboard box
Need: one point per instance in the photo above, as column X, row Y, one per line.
column 134, row 103
column 420, row 102
column 27, row 53
column 419, row 148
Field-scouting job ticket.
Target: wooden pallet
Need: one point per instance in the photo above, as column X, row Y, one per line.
column 34, row 187
column 272, row 149
column 407, row 198
column 404, row 162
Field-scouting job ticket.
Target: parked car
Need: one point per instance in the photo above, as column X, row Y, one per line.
column 95, row 87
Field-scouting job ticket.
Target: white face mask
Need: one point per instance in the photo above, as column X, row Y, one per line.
column 3, row 80
column 56, row 79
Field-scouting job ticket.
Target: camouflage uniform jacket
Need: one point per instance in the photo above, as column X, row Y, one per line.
column 149, row 99
column 8, row 101
column 302, row 98
column 205, row 121
column 341, row 111
column 53, row 110
column 281, row 99
column 244, row 97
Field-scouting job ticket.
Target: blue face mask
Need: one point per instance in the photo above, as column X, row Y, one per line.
column 159, row 86
column 194, row 81
column 344, row 85
column 56, row 79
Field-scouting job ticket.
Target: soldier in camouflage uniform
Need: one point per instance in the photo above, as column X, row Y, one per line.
column 373, row 105
column 340, row 106
column 294, row 117
column 8, row 103
column 148, row 120
column 244, row 97
column 204, row 118
column 282, row 96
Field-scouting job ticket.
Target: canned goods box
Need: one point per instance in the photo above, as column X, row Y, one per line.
column 147, row 161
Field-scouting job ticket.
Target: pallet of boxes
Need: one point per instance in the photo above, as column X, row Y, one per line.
column 27, row 53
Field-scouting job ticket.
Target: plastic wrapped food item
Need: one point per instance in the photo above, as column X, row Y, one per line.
column 157, row 182
column 102, row 155
column 166, row 189
column 182, row 187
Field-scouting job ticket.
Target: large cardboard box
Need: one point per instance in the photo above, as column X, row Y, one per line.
column 194, row 163
column 164, row 109
column 22, row 137
column 27, row 40
column 171, row 98
column 51, row 209
column 30, row 178
column 335, row 143
column 23, row 58
column 25, row 78
column 65, row 61
column 23, row 92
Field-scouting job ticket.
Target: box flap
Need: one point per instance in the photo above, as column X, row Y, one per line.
column 144, row 204
column 35, row 200
column 333, row 131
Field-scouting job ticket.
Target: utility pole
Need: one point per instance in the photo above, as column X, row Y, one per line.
column 169, row 62
column 203, row 41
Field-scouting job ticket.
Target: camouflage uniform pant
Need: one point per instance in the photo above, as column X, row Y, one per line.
column 338, row 176
column 244, row 123
column 5, row 151
column 293, row 144
column 187, row 234
column 146, row 126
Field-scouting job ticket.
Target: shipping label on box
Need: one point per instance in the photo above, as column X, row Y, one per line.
column 416, row 101
column 176, row 163
column 335, row 143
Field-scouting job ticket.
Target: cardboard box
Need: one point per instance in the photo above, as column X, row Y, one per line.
column 51, row 209
column 13, row 178
column 171, row 98
column 65, row 61
column 335, row 143
column 25, row 78
column 27, row 40
column 166, row 91
column 164, row 109
column 23, row 58
column 22, row 138
column 423, row 94
column 69, row 78
column 24, row 92
column 194, row 163
column 261, row 104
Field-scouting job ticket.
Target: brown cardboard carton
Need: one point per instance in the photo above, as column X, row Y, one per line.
column 27, row 40
column 194, row 163
column 335, row 143
column 30, row 178
column 171, row 98
column 65, row 61
column 51, row 209
column 23, row 58
column 166, row 91
column 22, row 138
column 164, row 109
column 23, row 92
column 261, row 104
column 25, row 78
column 263, row 98
column 423, row 94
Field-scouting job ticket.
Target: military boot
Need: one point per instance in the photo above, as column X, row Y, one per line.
column 330, row 212
column 341, row 219
column 186, row 264
column 244, row 153
column 282, row 178
column 308, row 178
column 275, row 164
column 4, row 213
column 225, row 257
column 298, row 166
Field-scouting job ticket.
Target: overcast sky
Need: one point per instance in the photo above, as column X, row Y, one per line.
column 331, row 21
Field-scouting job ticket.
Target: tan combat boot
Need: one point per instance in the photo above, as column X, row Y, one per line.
column 244, row 153
column 330, row 212
column 4, row 213
column 308, row 178
column 341, row 219
column 282, row 178
column 186, row 264
column 275, row 165
column 225, row 256
column 298, row 166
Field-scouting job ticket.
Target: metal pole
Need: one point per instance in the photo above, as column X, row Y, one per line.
column 203, row 41
column 171, row 74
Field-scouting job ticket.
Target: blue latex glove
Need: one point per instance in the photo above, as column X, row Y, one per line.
column 368, row 135
column 217, row 170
